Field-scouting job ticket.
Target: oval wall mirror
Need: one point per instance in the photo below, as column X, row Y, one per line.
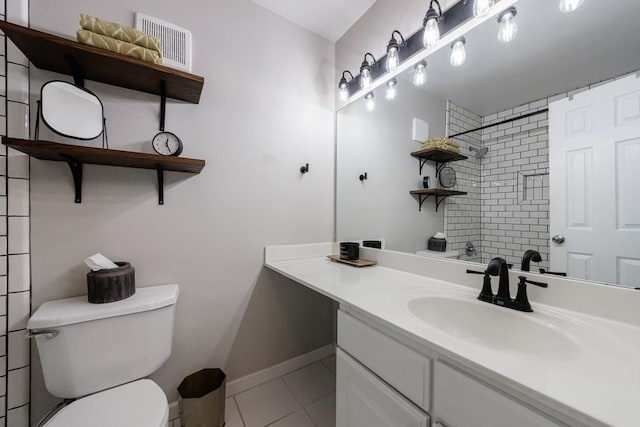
column 71, row 111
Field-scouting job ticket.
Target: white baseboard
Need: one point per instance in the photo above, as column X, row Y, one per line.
column 249, row 381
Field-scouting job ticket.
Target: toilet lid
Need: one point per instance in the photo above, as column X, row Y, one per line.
column 138, row 404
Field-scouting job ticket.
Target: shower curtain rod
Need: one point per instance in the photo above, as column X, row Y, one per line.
column 535, row 113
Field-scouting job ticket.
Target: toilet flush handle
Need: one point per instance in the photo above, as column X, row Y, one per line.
column 48, row 334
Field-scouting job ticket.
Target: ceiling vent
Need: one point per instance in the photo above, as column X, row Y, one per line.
column 176, row 41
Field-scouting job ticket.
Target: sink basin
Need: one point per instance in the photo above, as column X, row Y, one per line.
column 535, row 335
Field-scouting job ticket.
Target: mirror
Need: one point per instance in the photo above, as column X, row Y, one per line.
column 528, row 184
column 71, row 111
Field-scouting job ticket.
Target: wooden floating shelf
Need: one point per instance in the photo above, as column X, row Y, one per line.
column 438, row 155
column 53, row 53
column 75, row 156
column 439, row 193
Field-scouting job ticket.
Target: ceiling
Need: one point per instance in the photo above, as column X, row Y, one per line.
column 327, row 18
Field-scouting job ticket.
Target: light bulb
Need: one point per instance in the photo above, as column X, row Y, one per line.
column 343, row 92
column 420, row 75
column 508, row 26
column 569, row 5
column 431, row 32
column 365, row 78
column 391, row 91
column 481, row 7
column 393, row 60
column 371, row 104
column 458, row 53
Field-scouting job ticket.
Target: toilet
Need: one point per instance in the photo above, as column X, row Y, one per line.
column 99, row 355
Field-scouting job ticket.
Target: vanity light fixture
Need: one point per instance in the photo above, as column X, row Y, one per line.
column 481, row 7
column 391, row 91
column 343, row 86
column 458, row 52
column 365, row 71
column 430, row 24
column 371, row 103
column 420, row 74
column 508, row 25
column 567, row 6
column 393, row 59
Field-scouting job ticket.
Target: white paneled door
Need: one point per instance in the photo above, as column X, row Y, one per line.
column 594, row 160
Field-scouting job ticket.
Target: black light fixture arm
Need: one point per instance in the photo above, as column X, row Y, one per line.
column 394, row 41
column 432, row 13
column 367, row 63
column 346, row 73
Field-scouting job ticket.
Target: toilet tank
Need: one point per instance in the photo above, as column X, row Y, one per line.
column 93, row 347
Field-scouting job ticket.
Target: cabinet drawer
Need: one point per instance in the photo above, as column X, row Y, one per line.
column 406, row 370
column 363, row 400
column 460, row 400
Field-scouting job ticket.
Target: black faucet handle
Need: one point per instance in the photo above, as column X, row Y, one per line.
column 544, row 271
column 523, row 279
column 476, row 272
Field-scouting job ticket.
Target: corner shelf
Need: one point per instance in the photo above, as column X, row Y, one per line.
column 75, row 156
column 53, row 53
column 438, row 155
column 439, row 193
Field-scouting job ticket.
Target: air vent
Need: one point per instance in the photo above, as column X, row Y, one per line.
column 176, row 41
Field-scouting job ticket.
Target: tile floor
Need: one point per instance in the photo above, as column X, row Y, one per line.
column 303, row 398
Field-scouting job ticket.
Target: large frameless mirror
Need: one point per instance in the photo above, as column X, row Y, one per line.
column 561, row 182
column 71, row 111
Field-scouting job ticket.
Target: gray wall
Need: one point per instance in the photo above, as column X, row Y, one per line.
column 266, row 109
column 379, row 142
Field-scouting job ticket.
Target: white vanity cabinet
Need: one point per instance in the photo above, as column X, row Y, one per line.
column 382, row 382
column 363, row 400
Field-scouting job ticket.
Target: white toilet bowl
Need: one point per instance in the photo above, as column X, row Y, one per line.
column 141, row 403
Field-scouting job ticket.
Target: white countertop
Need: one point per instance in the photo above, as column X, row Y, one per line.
column 597, row 384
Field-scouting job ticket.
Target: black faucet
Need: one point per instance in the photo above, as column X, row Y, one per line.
column 486, row 294
column 529, row 256
column 555, row 273
column 499, row 267
column 521, row 302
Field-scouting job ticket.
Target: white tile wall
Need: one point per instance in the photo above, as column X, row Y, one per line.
column 14, row 229
column 518, row 153
column 462, row 215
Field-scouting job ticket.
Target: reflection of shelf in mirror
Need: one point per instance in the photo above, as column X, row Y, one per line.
column 75, row 156
column 439, row 193
column 61, row 55
column 438, row 155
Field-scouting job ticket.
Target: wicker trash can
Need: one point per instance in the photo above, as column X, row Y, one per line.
column 201, row 399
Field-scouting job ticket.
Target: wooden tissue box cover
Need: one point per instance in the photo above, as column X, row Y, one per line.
column 111, row 285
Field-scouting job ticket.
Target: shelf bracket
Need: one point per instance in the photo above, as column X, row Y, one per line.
column 76, row 171
column 439, row 166
column 422, row 199
column 439, row 200
column 422, row 163
column 163, row 103
column 160, row 173
column 78, row 77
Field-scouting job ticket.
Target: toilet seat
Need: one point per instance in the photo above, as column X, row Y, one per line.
column 141, row 403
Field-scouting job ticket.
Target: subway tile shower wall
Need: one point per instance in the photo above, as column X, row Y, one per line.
column 513, row 200
column 15, row 258
column 516, row 218
column 462, row 217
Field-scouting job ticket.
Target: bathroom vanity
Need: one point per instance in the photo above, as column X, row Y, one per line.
column 416, row 347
